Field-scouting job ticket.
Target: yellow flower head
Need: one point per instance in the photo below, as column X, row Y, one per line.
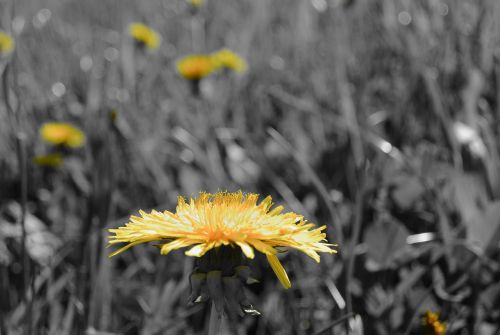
column 196, row 3
column 195, row 67
column 59, row 133
column 49, row 160
column 432, row 324
column 225, row 220
column 227, row 59
column 6, row 43
column 145, row 35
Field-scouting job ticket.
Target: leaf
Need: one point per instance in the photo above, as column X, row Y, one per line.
column 385, row 241
column 5, row 255
column 490, row 296
column 41, row 243
column 483, row 230
column 408, row 191
column 240, row 167
column 468, row 192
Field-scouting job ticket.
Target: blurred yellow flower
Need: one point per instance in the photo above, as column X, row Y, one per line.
column 225, row 220
column 195, row 67
column 6, row 43
column 196, row 3
column 227, row 59
column 50, row 160
column 113, row 115
column 432, row 324
column 145, row 35
column 59, row 133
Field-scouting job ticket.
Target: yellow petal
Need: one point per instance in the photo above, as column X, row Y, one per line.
column 197, row 250
column 276, row 211
column 177, row 244
column 279, row 271
column 311, row 253
column 119, row 251
column 247, row 250
column 50, row 160
column 263, row 247
column 266, row 203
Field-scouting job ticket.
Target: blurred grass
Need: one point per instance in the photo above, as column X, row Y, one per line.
column 348, row 114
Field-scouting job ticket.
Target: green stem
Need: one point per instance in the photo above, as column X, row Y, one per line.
column 214, row 325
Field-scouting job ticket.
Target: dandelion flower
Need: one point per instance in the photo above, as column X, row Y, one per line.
column 6, row 43
column 227, row 59
column 223, row 222
column 49, row 160
column 195, row 67
column 432, row 324
column 145, row 35
column 196, row 3
column 64, row 134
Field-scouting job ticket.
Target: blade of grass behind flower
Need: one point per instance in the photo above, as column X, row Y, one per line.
column 53, row 300
column 351, row 255
column 312, row 110
column 288, row 195
column 434, row 93
column 17, row 120
column 69, row 316
column 128, row 67
column 492, row 160
column 346, row 103
column 315, row 180
column 334, row 323
column 445, row 231
column 101, row 295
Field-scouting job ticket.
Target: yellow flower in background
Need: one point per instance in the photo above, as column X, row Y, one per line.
column 59, row 133
column 49, row 160
column 225, row 220
column 432, row 324
column 227, row 59
column 195, row 67
column 145, row 35
column 6, row 43
column 196, row 3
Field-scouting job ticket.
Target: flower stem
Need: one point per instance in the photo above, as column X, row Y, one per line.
column 214, row 325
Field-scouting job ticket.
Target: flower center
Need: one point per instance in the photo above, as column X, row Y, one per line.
column 223, row 258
